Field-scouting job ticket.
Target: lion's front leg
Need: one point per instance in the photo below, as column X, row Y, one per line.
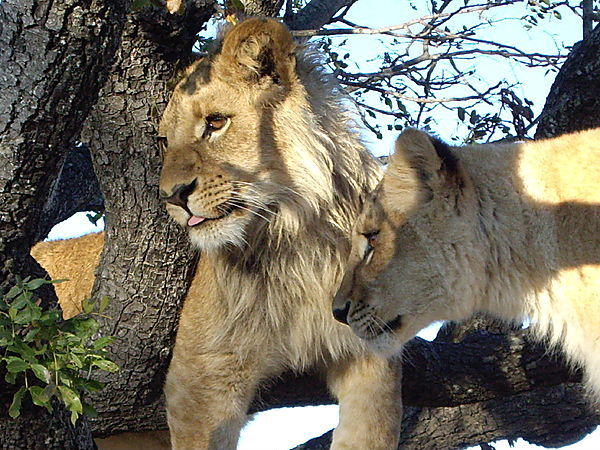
column 369, row 393
column 207, row 397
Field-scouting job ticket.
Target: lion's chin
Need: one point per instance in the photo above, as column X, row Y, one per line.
column 390, row 343
column 386, row 344
column 219, row 233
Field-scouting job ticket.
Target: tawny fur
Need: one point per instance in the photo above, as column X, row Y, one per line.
column 284, row 180
column 72, row 261
column 508, row 229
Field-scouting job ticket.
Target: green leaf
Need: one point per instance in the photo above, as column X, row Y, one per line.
column 85, row 326
column 91, row 385
column 104, row 302
column 16, row 365
column 20, row 301
column 10, row 378
column 31, row 334
column 36, row 283
column 87, row 305
column 23, row 317
column 49, row 391
column 461, row 114
column 15, row 407
column 238, row 5
column 76, row 360
column 71, row 399
column 41, row 372
column 105, row 364
column 39, row 396
column 14, row 291
column 89, row 410
column 102, row 342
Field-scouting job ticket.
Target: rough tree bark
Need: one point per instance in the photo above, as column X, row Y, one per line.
column 54, row 56
column 316, row 14
column 574, row 99
column 147, row 261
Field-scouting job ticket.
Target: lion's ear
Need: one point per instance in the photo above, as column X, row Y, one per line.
column 424, row 163
column 259, row 51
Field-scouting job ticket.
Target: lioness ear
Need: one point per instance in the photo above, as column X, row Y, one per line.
column 425, row 163
column 259, row 50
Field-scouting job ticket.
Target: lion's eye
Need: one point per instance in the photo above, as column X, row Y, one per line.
column 216, row 122
column 162, row 144
column 369, row 248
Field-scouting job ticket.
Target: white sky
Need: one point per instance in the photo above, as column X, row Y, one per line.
column 285, row 428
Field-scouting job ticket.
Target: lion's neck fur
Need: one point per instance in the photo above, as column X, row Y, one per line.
column 283, row 280
column 537, row 220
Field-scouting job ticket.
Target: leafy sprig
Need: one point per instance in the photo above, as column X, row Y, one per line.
column 51, row 358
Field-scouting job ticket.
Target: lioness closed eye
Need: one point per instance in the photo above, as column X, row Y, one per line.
column 508, row 229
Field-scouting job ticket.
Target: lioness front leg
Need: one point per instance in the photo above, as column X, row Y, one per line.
column 369, row 393
column 207, row 398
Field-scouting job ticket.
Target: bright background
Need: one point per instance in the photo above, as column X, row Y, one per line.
column 286, row 428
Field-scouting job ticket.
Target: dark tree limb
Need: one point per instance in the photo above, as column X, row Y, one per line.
column 574, row 99
column 488, row 387
column 147, row 261
column 316, row 14
column 54, row 57
column 551, row 417
column 263, row 7
column 483, row 367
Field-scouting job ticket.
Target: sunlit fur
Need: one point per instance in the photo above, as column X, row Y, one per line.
column 508, row 229
column 285, row 180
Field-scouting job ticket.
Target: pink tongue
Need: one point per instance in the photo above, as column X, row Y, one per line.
column 195, row 220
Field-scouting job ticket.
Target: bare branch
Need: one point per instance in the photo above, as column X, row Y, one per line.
column 302, row 32
column 479, row 96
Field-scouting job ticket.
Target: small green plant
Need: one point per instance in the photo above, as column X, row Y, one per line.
column 51, row 358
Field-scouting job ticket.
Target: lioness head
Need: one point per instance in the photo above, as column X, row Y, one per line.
column 400, row 274
column 226, row 163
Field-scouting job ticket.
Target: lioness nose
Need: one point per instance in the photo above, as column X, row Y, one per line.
column 180, row 194
column 341, row 315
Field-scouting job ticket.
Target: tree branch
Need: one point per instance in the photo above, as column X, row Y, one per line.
column 316, row 14
column 574, row 99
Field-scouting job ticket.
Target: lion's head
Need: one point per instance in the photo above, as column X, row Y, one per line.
column 402, row 272
column 251, row 141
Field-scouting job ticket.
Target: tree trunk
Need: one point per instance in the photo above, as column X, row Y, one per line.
column 54, row 57
column 147, row 261
column 574, row 99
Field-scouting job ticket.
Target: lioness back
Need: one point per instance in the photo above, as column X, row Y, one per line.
column 508, row 229
column 72, row 260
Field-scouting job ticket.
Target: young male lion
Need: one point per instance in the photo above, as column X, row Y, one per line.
column 509, row 229
column 262, row 167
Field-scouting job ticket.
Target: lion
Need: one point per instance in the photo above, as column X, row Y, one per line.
column 263, row 165
column 510, row 229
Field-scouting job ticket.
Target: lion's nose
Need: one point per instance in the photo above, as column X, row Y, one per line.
column 341, row 315
column 180, row 194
